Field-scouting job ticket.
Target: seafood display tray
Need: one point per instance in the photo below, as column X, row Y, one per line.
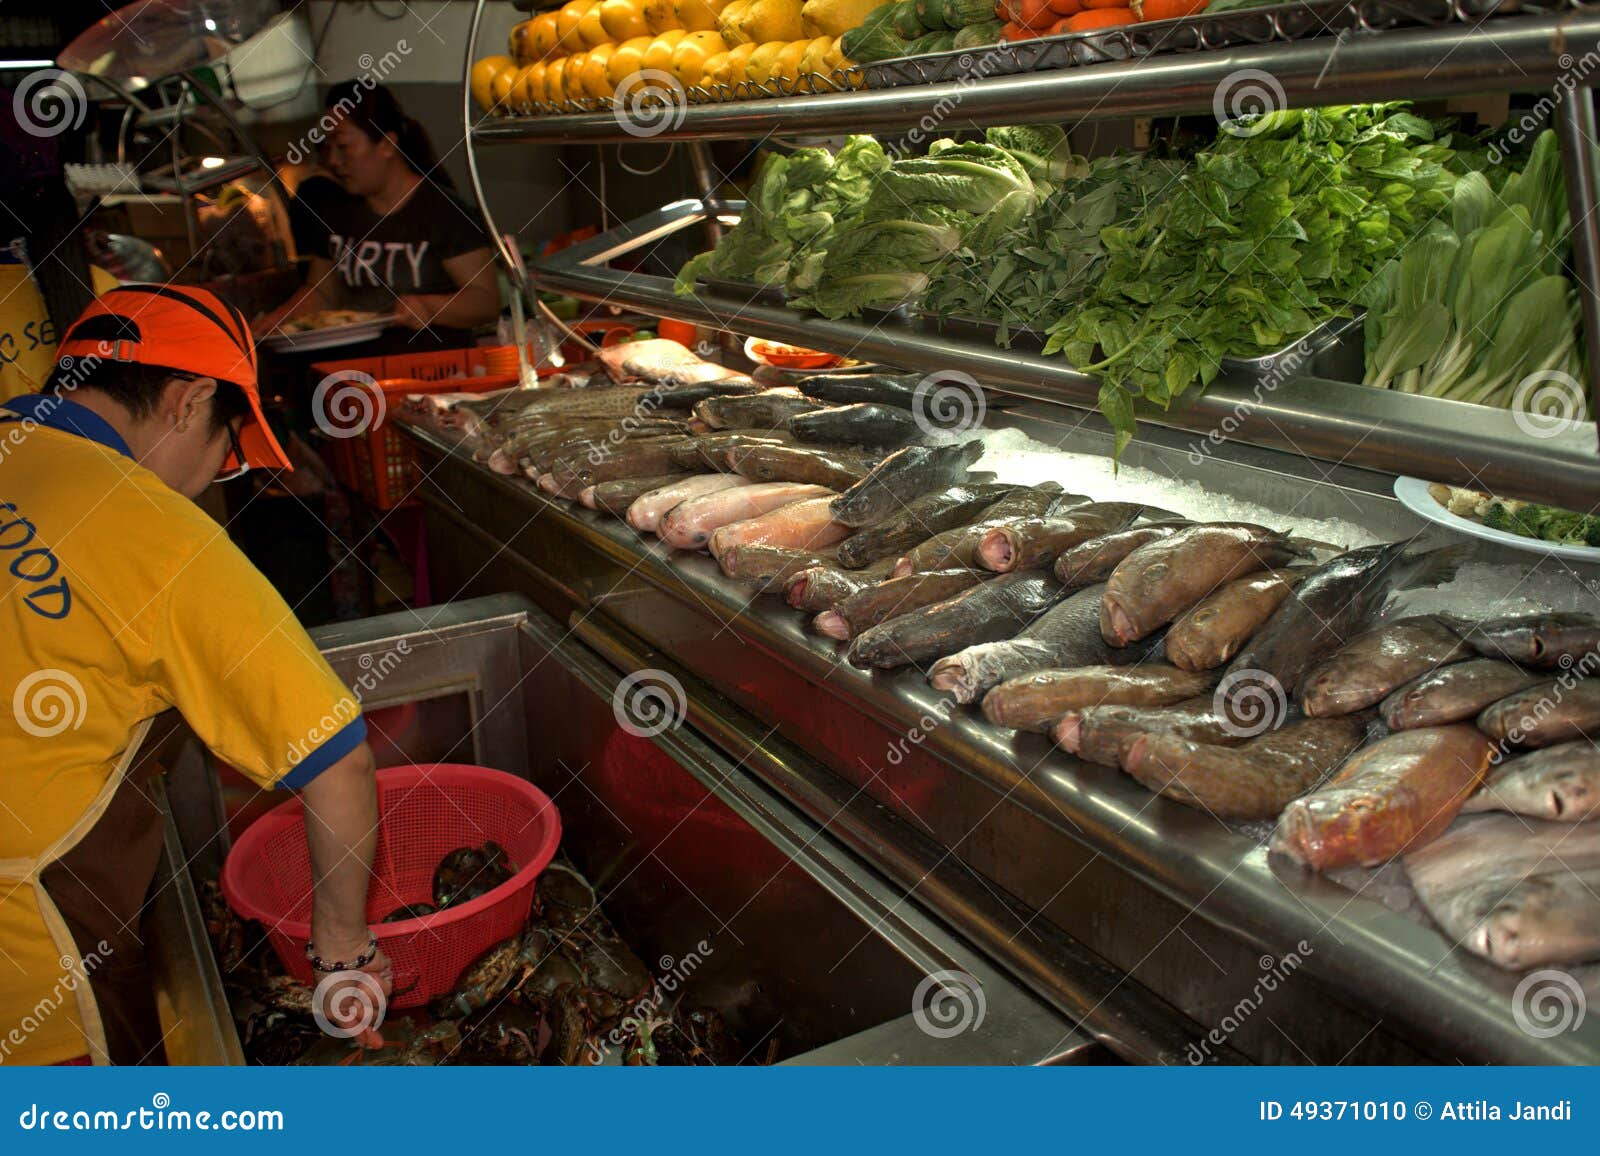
column 731, row 899
column 1377, row 982
column 1303, row 20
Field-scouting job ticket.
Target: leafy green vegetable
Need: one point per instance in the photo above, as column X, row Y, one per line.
column 1545, row 523
column 1281, row 225
column 793, row 207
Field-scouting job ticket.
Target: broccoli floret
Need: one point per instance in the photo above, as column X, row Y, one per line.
column 1499, row 516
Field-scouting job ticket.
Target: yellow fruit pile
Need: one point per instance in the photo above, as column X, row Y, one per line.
column 594, row 48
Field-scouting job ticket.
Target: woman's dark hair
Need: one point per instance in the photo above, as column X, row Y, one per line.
column 373, row 109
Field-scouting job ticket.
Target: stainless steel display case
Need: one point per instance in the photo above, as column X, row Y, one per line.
column 796, row 939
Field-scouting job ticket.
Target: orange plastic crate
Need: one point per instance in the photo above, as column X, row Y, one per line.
column 378, row 463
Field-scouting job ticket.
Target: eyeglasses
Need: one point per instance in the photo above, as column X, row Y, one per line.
column 237, row 454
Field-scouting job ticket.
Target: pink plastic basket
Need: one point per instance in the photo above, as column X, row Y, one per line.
column 424, row 813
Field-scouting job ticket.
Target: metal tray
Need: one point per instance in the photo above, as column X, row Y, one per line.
column 1300, row 20
column 745, row 290
column 1020, row 336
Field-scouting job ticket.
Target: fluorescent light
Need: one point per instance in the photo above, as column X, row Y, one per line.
column 19, row 65
column 212, row 162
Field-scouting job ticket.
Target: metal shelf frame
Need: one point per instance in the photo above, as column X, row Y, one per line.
column 1331, row 421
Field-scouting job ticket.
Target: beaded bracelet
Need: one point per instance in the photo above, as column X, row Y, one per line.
column 356, row 964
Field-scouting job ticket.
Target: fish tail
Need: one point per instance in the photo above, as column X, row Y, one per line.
column 1433, row 567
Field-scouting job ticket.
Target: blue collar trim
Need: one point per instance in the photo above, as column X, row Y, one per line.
column 63, row 414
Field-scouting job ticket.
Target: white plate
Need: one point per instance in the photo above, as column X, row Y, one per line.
column 328, row 337
column 1414, row 496
column 749, row 351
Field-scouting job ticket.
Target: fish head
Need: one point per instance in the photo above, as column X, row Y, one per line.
column 1571, row 794
column 1339, row 827
column 1534, row 921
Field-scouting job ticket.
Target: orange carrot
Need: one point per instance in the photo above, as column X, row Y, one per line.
column 1066, row 7
column 1099, row 18
column 1035, row 14
column 1091, row 5
column 1014, row 31
column 1147, row 10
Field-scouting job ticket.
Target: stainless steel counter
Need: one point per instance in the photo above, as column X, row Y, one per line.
column 1283, row 965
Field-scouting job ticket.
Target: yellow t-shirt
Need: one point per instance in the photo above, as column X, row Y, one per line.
column 27, row 336
column 120, row 598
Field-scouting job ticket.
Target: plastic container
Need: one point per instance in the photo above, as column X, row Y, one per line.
column 378, row 462
column 424, row 813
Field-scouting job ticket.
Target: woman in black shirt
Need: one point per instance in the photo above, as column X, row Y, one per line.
column 399, row 240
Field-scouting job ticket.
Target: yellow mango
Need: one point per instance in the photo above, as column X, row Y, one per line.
column 738, row 60
column 692, row 52
column 622, row 19
column 555, row 89
column 765, row 21
column 659, row 16
column 529, row 88
column 698, row 15
column 500, row 87
column 592, row 78
column 626, row 60
column 568, row 39
column 572, row 76
column 658, row 57
column 758, row 69
column 544, row 34
column 835, row 17
column 591, row 31
column 481, row 79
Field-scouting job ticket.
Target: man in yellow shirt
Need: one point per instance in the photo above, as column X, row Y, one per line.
column 120, row 599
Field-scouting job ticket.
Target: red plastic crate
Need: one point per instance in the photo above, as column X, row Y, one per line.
column 378, row 463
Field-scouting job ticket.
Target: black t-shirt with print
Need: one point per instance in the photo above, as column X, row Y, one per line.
column 378, row 258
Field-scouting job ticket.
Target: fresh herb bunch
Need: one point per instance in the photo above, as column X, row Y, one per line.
column 1479, row 302
column 1277, row 228
column 1054, row 256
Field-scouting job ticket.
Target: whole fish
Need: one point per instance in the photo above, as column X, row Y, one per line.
column 1065, row 636
column 649, row 508
column 632, row 459
column 766, row 410
column 1543, row 641
column 686, row 397
column 917, row 520
column 1517, row 892
column 881, row 601
column 849, row 388
column 802, row 525
column 1213, row 629
column 1336, row 601
column 836, row 469
column 1455, row 693
column 988, row 611
column 1090, row 563
column 1396, row 795
column 567, row 487
column 658, row 360
column 769, row 567
column 1256, row 780
column 1162, row 579
column 710, row 451
column 864, row 424
column 689, row 526
column 822, row 587
column 615, row 497
column 1369, row 667
column 1036, row 702
column 1103, row 734
column 1560, row 783
column 1033, row 543
column 1544, row 715
column 902, row 476
column 959, row 546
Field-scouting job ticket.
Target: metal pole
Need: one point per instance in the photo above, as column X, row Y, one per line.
column 705, row 184
column 1575, row 123
column 514, row 268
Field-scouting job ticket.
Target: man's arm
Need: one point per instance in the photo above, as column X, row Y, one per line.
column 475, row 302
column 314, row 296
column 342, row 833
